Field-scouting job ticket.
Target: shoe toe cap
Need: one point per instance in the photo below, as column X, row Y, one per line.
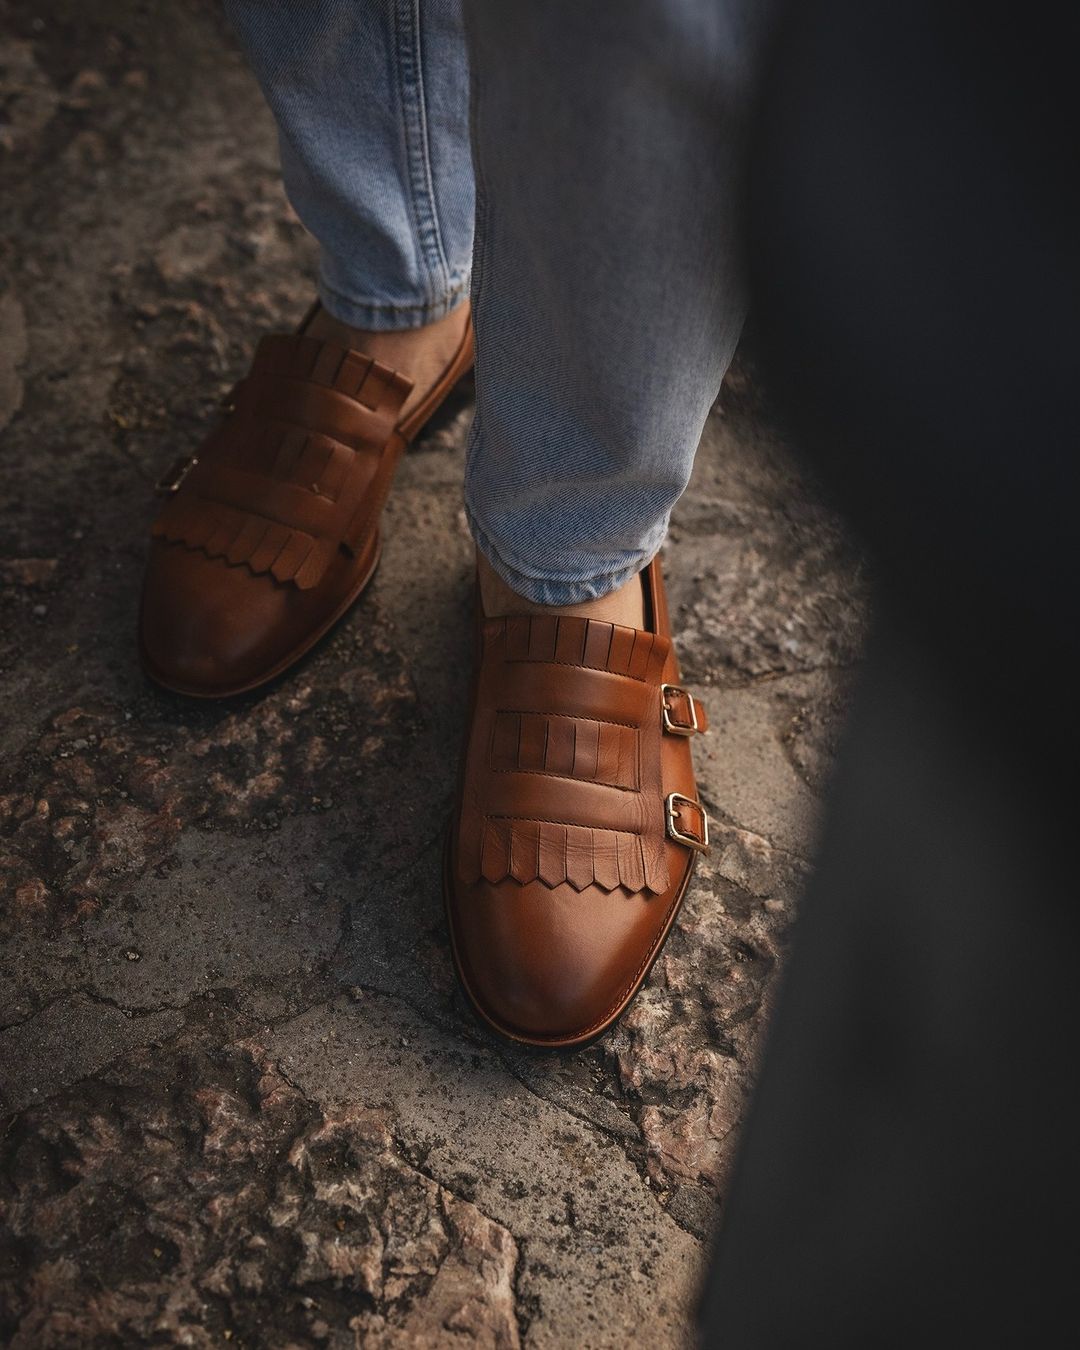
column 552, row 966
column 207, row 627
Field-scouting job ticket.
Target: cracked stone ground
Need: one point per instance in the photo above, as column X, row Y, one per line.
column 243, row 1100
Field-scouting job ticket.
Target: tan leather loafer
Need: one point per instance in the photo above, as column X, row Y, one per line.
column 579, row 822
column 271, row 530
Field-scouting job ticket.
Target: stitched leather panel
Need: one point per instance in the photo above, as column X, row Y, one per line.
column 282, row 485
column 573, row 641
column 568, row 747
column 570, row 788
column 529, row 850
column 287, row 454
column 358, row 377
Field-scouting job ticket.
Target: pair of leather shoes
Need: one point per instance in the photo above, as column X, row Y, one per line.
column 578, row 822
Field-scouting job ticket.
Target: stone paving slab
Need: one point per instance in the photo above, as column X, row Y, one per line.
column 243, row 1101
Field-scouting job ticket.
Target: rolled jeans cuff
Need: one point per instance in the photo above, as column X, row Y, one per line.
column 382, row 315
column 566, row 583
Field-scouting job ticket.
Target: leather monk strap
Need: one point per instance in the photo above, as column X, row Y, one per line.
column 687, row 822
column 681, row 713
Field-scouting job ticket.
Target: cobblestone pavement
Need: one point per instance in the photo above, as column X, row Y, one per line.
column 243, row 1101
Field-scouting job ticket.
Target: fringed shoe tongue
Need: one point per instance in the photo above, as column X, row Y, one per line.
column 565, row 760
column 578, row 855
column 279, row 487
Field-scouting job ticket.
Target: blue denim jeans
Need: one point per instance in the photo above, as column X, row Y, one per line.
column 593, row 219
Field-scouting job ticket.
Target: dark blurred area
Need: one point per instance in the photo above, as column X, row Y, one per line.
column 907, row 1173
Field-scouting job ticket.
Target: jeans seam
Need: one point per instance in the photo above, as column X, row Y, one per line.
column 481, row 235
column 417, row 145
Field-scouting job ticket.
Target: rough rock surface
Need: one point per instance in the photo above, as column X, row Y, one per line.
column 243, row 1101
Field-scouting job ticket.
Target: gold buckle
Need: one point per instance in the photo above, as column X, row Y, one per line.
column 178, row 470
column 678, row 728
column 680, row 836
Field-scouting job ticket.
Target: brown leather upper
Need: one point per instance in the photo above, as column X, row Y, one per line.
column 287, row 480
column 271, row 530
column 565, row 866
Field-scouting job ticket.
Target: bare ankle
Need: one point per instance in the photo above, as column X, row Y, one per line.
column 625, row 605
column 421, row 354
column 325, row 325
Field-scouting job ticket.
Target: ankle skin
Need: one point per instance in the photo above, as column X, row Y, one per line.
column 624, row 606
